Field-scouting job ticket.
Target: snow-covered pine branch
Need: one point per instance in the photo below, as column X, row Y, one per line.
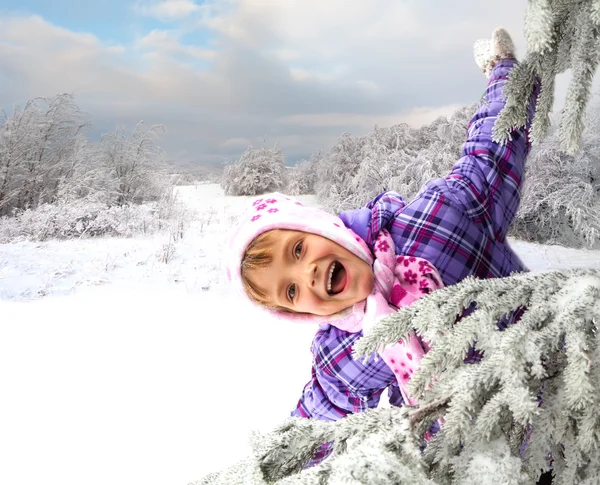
column 553, row 352
column 375, row 447
column 561, row 35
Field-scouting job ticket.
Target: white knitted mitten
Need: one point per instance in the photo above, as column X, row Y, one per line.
column 489, row 51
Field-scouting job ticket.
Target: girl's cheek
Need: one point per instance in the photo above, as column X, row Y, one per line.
column 316, row 302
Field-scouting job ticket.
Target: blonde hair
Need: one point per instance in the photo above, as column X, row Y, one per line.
column 258, row 255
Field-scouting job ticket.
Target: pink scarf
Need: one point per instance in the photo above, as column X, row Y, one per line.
column 399, row 281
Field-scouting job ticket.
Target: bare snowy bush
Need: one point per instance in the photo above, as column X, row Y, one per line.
column 206, row 219
column 302, row 178
column 173, row 215
column 83, row 218
column 561, row 197
column 397, row 158
column 166, row 252
column 258, row 171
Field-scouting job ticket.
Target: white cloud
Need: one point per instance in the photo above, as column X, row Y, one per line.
column 168, row 9
column 35, row 31
column 165, row 45
column 414, row 117
column 42, row 59
column 237, row 143
column 369, row 87
column 362, row 34
column 286, row 55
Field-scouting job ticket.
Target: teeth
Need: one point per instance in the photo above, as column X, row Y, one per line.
column 329, row 280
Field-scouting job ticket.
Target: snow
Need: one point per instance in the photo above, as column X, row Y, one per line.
column 492, row 460
column 118, row 368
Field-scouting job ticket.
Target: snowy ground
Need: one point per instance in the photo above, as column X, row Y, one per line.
column 118, row 368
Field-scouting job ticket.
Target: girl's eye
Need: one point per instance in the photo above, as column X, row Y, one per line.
column 298, row 250
column 291, row 292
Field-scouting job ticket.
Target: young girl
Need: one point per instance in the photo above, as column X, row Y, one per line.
column 346, row 272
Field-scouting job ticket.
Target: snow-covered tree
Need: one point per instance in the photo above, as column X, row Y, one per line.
column 303, row 177
column 385, row 154
column 561, row 35
column 258, row 171
column 55, row 182
column 335, row 171
column 437, row 149
column 398, row 158
column 134, row 164
column 535, row 394
column 561, row 196
column 39, row 144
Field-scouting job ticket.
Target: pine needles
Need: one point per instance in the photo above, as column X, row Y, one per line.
column 561, row 35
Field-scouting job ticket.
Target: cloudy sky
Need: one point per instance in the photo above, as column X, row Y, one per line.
column 225, row 74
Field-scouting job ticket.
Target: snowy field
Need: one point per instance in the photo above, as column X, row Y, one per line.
column 118, row 368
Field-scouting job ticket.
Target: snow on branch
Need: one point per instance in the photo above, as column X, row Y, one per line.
column 374, row 447
column 561, row 35
column 541, row 374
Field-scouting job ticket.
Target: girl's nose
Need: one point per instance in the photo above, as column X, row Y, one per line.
column 311, row 274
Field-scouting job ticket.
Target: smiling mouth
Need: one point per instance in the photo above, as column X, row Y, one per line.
column 336, row 278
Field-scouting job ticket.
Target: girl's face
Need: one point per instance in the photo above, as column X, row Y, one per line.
column 312, row 274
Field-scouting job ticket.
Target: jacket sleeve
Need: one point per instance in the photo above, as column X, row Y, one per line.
column 339, row 384
column 486, row 181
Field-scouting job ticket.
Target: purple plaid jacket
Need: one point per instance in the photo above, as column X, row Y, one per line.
column 458, row 223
